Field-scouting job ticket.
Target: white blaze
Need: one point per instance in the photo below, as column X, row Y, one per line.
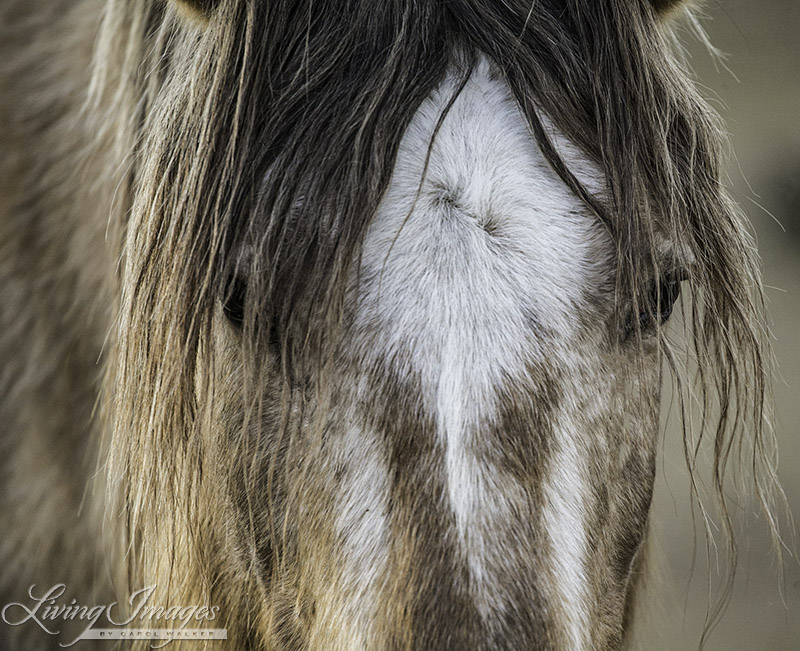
column 494, row 238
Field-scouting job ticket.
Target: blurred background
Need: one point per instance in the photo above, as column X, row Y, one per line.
column 756, row 89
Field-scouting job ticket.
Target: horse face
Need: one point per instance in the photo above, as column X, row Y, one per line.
column 485, row 463
column 457, row 451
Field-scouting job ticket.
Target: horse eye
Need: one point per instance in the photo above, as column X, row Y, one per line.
column 234, row 300
column 662, row 300
column 659, row 304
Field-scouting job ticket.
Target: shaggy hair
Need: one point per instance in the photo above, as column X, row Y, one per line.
column 245, row 149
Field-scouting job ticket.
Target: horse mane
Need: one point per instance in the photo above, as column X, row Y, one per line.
column 265, row 135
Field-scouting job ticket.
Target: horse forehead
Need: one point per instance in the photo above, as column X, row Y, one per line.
column 487, row 229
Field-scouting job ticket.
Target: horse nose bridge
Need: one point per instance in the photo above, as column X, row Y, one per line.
column 452, row 516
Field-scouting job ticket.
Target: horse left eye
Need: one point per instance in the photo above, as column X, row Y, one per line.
column 234, row 300
column 663, row 299
column 659, row 304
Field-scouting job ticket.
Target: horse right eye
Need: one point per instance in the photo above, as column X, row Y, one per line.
column 234, row 301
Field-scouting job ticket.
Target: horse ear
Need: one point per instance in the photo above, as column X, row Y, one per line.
column 663, row 7
column 200, row 8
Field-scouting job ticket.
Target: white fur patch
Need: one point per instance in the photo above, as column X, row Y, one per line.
column 362, row 528
column 565, row 495
column 462, row 281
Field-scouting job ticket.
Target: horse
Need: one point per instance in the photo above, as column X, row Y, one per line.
column 349, row 319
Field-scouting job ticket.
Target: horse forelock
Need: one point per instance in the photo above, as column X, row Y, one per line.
column 271, row 141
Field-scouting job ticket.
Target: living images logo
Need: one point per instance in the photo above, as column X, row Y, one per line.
column 144, row 620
